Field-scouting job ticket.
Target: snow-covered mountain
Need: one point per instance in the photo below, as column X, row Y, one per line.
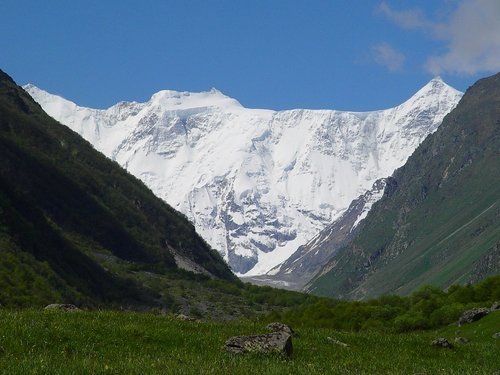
column 256, row 183
column 296, row 272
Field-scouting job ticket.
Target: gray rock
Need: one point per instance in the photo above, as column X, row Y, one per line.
column 276, row 342
column 337, row 342
column 186, row 318
column 62, row 307
column 461, row 340
column 441, row 342
column 280, row 327
column 470, row 316
column 495, row 306
column 496, row 335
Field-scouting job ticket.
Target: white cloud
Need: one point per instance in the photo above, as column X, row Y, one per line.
column 384, row 54
column 407, row 19
column 473, row 39
column 471, row 35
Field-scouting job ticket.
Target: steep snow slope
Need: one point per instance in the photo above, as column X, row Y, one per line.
column 295, row 272
column 257, row 184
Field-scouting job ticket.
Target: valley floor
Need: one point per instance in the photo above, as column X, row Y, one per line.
column 40, row 342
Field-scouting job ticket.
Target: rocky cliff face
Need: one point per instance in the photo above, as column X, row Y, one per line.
column 257, row 184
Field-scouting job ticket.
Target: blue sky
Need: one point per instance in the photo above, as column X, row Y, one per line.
column 277, row 54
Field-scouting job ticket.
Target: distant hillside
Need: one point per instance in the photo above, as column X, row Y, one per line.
column 439, row 220
column 64, row 207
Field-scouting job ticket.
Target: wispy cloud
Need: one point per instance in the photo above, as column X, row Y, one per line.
column 471, row 35
column 473, row 39
column 384, row 54
column 407, row 19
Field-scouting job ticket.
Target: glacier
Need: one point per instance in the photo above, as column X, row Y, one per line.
column 256, row 183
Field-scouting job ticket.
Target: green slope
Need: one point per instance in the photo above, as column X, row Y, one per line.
column 439, row 220
column 63, row 206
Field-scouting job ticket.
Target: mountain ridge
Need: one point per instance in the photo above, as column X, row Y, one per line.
column 256, row 183
column 63, row 206
column 438, row 221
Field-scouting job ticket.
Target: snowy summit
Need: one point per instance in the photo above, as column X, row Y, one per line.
column 256, row 183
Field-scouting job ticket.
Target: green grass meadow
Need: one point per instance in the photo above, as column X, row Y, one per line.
column 110, row 342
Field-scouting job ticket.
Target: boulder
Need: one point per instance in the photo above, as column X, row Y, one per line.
column 62, row 307
column 280, row 327
column 441, row 342
column 276, row 342
column 495, row 306
column 470, row 316
column 496, row 335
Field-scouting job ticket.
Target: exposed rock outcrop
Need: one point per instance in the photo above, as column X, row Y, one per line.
column 276, row 342
column 441, row 342
column 280, row 327
column 62, row 307
column 470, row 316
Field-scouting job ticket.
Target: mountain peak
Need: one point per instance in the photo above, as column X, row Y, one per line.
column 445, row 199
column 170, row 99
column 238, row 173
column 437, row 83
column 435, row 89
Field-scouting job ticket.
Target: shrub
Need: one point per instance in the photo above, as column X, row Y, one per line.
column 410, row 321
column 446, row 314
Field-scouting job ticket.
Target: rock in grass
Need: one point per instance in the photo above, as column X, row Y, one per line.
column 280, row 327
column 495, row 306
column 276, row 342
column 461, row 340
column 337, row 342
column 62, row 307
column 470, row 316
column 496, row 335
column 441, row 342
column 186, row 318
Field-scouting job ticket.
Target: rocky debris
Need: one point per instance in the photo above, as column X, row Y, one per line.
column 495, row 306
column 62, row 307
column 470, row 316
column 186, row 318
column 281, row 327
column 496, row 335
column 276, row 342
column 337, row 342
column 461, row 340
column 441, row 342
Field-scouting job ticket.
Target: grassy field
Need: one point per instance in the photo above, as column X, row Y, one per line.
column 39, row 342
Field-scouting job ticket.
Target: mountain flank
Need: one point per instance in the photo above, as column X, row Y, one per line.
column 66, row 210
column 257, row 184
column 439, row 219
